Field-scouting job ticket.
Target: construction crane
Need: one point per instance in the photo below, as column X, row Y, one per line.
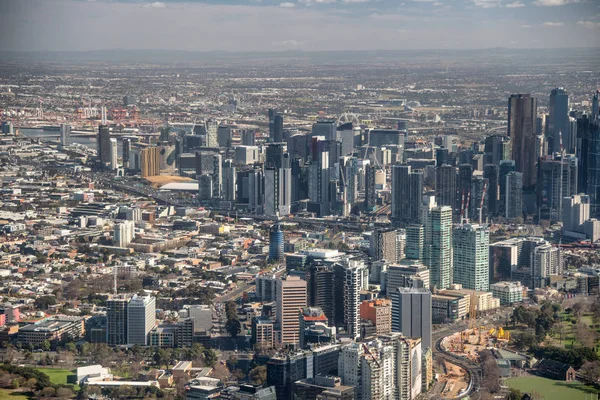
column 473, row 311
column 481, row 204
column 366, row 349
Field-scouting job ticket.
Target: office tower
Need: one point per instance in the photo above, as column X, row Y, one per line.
column 410, row 273
column 411, row 314
column 319, row 177
column 114, row 163
column 150, row 161
column 588, row 153
column 291, row 298
column 249, row 190
column 415, row 242
column 124, row 233
column 496, row 149
column 314, row 328
column 379, row 312
column 576, row 210
column 514, row 195
column 286, row 369
column 298, row 147
column 141, row 318
column 325, row 128
column 345, row 135
column 248, row 137
column 202, row 315
column 546, row 260
column 385, row 137
column 65, row 134
column 376, row 366
column 406, row 376
column 263, row 335
column 438, row 242
column 126, row 152
column 278, row 182
column 229, row 185
column 407, row 192
column 557, row 178
column 116, row 321
column 595, row 107
column 490, row 172
column 349, row 366
column 211, row 128
column 104, row 144
column 464, row 190
column 370, row 193
column 277, row 136
column 224, row 136
column 445, row 185
column 209, row 165
column 205, row 187
column 276, row 243
column 471, row 256
column 321, row 289
column 383, row 245
column 558, row 122
column 506, row 167
column 522, row 113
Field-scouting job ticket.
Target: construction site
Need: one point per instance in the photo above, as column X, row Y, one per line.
column 454, row 380
column 470, row 342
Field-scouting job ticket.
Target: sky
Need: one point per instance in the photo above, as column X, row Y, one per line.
column 311, row 25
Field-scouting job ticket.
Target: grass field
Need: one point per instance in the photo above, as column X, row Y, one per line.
column 9, row 395
column 551, row 390
column 58, row 376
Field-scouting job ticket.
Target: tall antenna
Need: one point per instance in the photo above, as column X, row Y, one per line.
column 103, row 121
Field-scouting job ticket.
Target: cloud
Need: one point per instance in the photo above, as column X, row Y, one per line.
column 287, row 4
column 554, row 3
column 486, row 3
column 156, row 4
column 437, row 4
column 554, row 24
column 589, row 24
column 310, row 2
column 390, row 17
column 516, row 4
column 288, row 43
column 355, row 1
column 525, row 26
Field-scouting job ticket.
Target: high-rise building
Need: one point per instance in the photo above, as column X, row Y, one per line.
column 506, row 167
column 385, row 137
column 407, row 274
column 321, row 289
column 411, row 314
column 276, row 243
column 376, row 366
column 65, row 134
column 248, row 137
column 348, row 183
column 557, row 179
column 126, row 152
column 124, row 233
column 224, row 136
column 415, row 242
column 479, row 205
column 116, row 321
column 379, row 312
column 141, row 318
column 150, row 161
column 471, row 256
column 345, row 135
column 464, row 192
column 104, row 144
column 546, row 260
column 278, row 182
column 351, row 277
column 514, row 195
column 490, row 172
column 314, row 328
column 114, row 154
column 445, row 185
column 277, row 129
column 595, row 106
column 439, row 242
column 558, row 122
column 588, row 154
column 576, row 210
column 407, row 193
column 326, row 128
column 384, row 245
column 522, row 113
column 229, row 185
column 210, row 171
column 291, row 298
column 211, row 129
column 497, row 148
column 370, row 192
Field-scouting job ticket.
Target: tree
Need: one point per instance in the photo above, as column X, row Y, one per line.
column 43, row 302
column 258, row 375
column 577, row 309
column 46, row 345
column 48, row 392
column 491, row 372
column 210, row 357
column 515, row 394
column 64, row 393
column 234, row 327
column 591, row 371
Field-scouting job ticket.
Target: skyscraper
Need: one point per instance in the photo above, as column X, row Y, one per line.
column 383, row 245
column 291, row 298
column 278, row 182
column 490, row 172
column 276, row 243
column 114, row 153
column 248, row 137
column 522, row 113
column 514, row 195
column 506, row 167
column 595, row 106
column 558, row 122
column 277, row 129
column 321, row 289
column 126, row 152
column 355, row 279
column 150, row 161
column 124, row 233
column 326, row 128
column 471, row 256
column 211, row 129
column 464, row 199
column 440, row 259
column 116, row 321
column 411, row 314
column 407, row 193
column 370, row 193
column 588, row 153
column 141, row 318
column 415, row 242
column 557, row 179
column 229, row 180
column 65, row 134
column 445, row 185
column 104, row 144
column 497, row 148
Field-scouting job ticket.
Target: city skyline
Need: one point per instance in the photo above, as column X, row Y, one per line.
column 308, row 25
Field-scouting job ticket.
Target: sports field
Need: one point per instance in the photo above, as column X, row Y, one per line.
column 10, row 395
column 550, row 389
column 58, row 376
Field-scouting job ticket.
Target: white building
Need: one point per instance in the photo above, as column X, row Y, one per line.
column 124, row 233
column 141, row 318
column 65, row 134
column 508, row 292
column 114, row 153
column 356, row 278
column 471, row 256
column 202, row 315
column 546, row 260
